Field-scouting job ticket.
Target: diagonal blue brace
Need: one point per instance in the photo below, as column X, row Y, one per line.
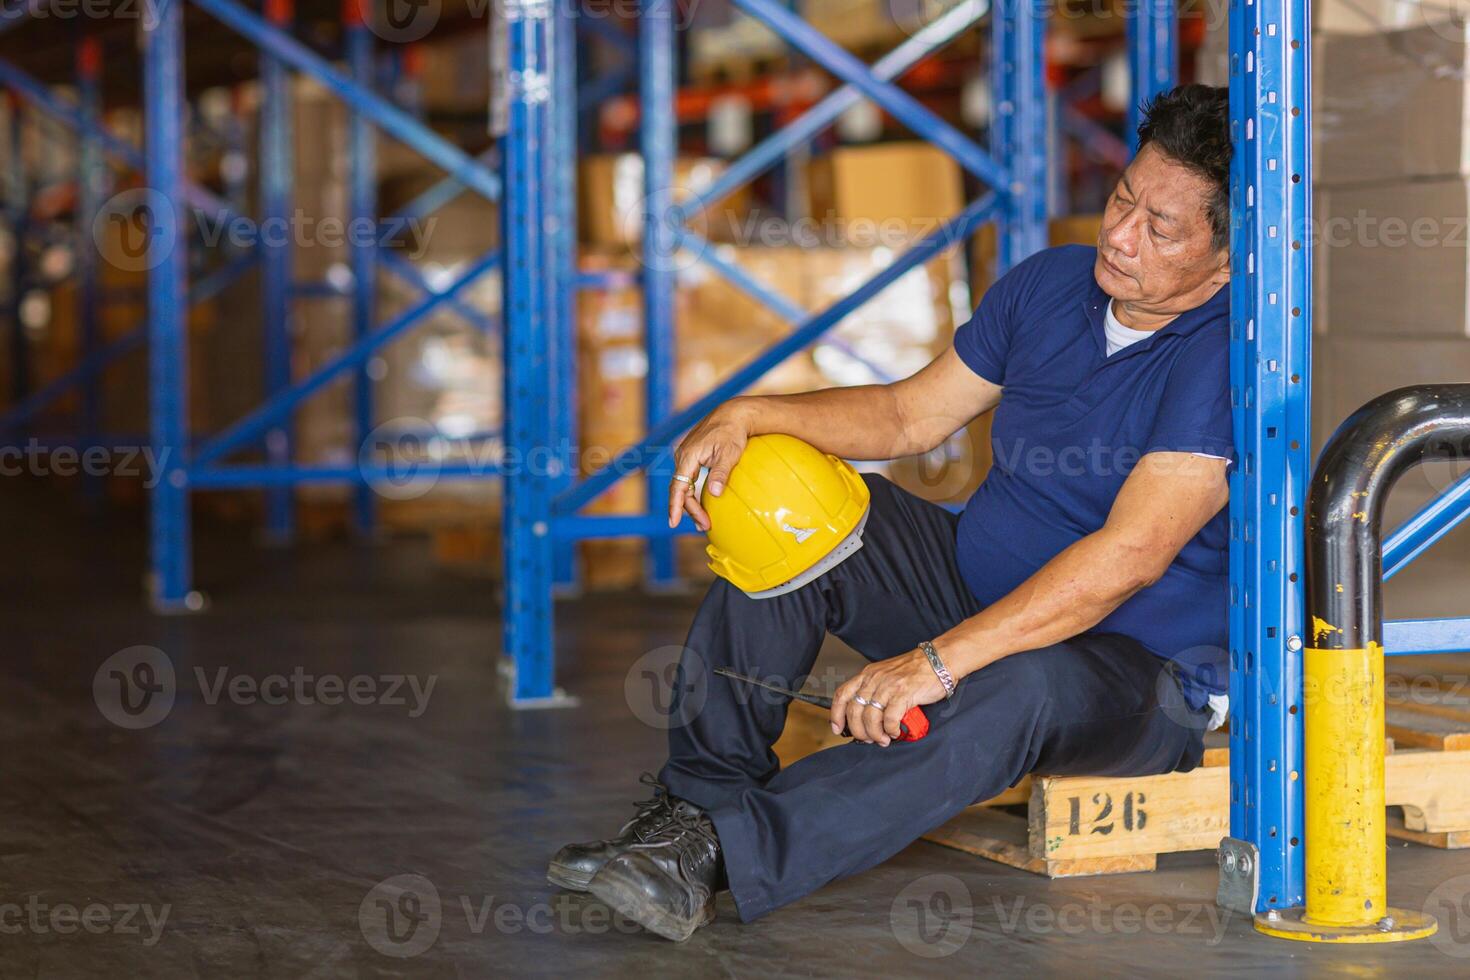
column 903, row 107
column 43, row 98
column 410, row 275
column 385, row 114
column 778, row 304
column 1441, row 516
column 773, row 149
column 656, row 442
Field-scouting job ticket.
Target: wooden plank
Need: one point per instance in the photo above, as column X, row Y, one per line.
column 1076, row 817
column 1429, row 731
column 1445, row 839
column 999, row 836
column 1433, row 787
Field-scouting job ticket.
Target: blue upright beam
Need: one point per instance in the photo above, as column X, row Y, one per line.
column 1153, row 56
column 91, row 192
column 18, row 212
column 1018, row 130
column 563, row 266
column 277, row 166
column 362, row 148
column 163, row 80
column 1270, row 316
column 528, row 370
column 658, row 130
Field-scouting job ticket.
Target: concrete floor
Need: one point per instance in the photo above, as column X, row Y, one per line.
column 236, row 837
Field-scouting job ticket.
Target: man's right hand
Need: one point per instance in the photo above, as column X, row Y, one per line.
column 717, row 443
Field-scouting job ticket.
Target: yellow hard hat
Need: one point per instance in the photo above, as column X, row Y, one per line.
column 788, row 513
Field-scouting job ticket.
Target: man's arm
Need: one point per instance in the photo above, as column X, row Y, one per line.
column 1164, row 503
column 864, row 422
column 879, row 421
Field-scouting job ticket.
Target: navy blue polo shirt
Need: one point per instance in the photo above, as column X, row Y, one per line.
column 1070, row 426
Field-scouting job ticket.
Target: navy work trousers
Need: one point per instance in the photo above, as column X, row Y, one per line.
column 1098, row 704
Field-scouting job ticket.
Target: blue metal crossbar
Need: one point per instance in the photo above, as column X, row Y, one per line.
column 1434, row 521
column 1404, row 637
column 772, row 300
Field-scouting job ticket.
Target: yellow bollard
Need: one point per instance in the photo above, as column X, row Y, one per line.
column 1346, row 861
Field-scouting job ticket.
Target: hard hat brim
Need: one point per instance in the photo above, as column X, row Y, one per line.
column 845, row 549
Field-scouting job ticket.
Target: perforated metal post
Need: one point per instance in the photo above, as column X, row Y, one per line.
column 1018, row 134
column 528, row 366
column 91, row 188
column 1270, row 317
column 1153, row 56
column 363, row 147
column 163, row 97
column 563, row 265
column 660, row 241
column 277, row 164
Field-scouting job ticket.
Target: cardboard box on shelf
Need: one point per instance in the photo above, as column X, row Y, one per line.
column 886, row 193
column 611, row 199
column 1070, row 229
column 455, row 76
column 1390, row 106
column 1412, row 235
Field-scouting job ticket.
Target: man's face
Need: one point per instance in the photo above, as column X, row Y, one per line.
column 1154, row 248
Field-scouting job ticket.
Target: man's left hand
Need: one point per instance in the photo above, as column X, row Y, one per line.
column 897, row 684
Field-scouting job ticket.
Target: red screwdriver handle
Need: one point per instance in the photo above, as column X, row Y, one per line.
column 914, row 725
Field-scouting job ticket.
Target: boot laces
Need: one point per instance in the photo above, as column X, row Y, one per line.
column 653, row 813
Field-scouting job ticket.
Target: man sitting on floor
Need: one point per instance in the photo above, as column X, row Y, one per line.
column 1091, row 560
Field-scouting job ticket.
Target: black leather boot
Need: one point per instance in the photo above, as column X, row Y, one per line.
column 667, row 884
column 574, row 865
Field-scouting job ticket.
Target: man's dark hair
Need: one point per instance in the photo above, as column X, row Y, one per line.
column 1191, row 125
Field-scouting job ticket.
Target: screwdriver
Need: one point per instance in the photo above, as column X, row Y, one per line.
column 913, row 726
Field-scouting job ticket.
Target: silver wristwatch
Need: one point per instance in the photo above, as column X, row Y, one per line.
column 940, row 671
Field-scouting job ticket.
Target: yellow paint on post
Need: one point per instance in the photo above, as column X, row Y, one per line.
column 1321, row 627
column 1346, row 827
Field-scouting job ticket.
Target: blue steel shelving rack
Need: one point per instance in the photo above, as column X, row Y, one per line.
column 1271, row 316
column 170, row 198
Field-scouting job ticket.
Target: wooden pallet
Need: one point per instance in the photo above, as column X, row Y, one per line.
column 1089, row 825
column 1433, row 715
